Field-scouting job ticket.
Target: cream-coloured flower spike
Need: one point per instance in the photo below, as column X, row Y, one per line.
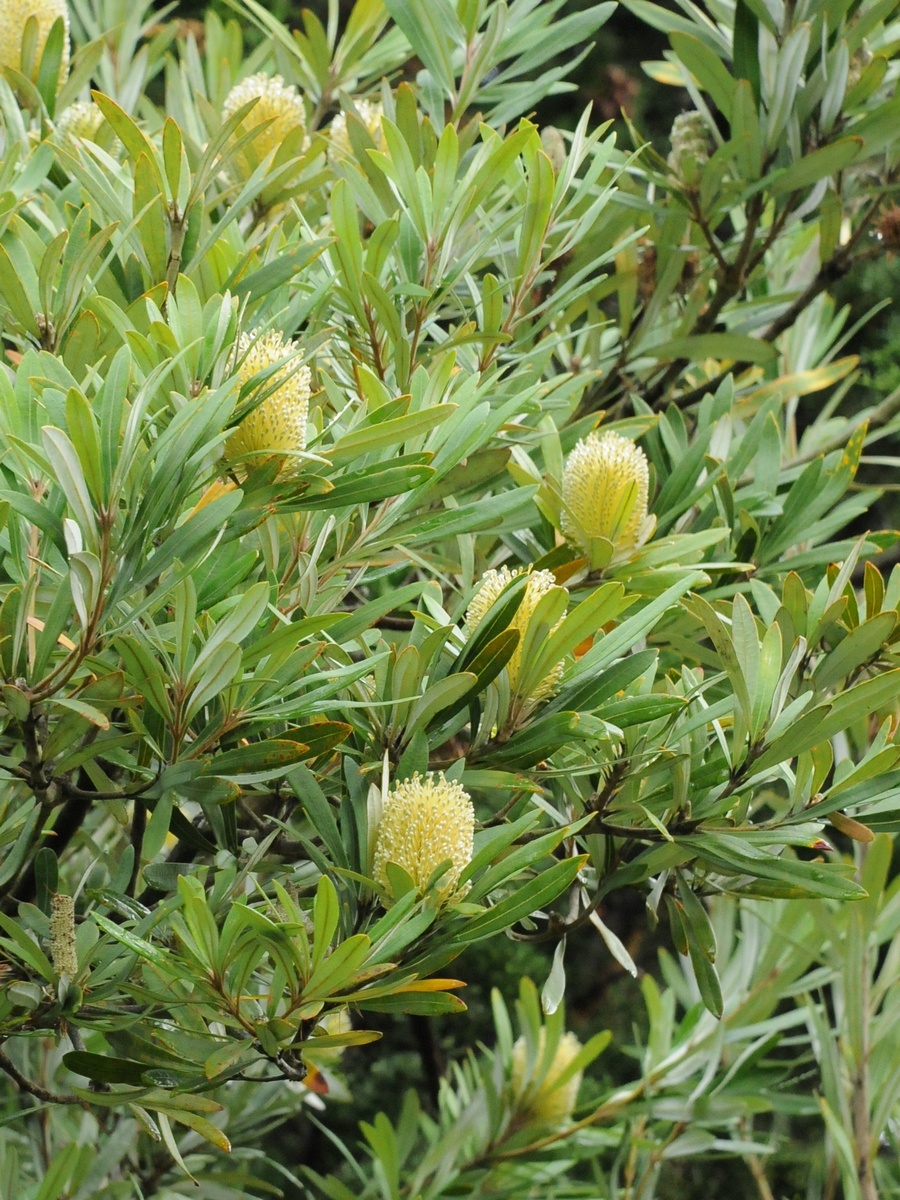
column 14, row 16
column 278, row 425
column 81, row 120
column 426, row 822
column 370, row 113
column 276, row 101
column 605, row 488
column 549, row 1102
column 492, row 584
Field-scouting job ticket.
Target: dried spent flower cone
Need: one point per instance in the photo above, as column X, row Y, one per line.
column 605, row 488
column 549, row 1103
column 425, row 822
column 14, row 16
column 62, row 935
column 278, row 425
column 276, row 102
column 370, row 113
column 492, row 584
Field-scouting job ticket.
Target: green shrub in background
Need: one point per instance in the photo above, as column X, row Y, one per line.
column 408, row 538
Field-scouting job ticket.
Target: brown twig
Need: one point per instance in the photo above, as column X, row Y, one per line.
column 34, row 1089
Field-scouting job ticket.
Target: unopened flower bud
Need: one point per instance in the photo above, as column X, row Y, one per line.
column 62, row 935
column 424, row 823
column 14, row 15
column 277, row 103
column 858, row 63
column 547, row 1100
column 605, row 488
column 370, row 112
column 554, row 147
column 278, row 425
column 690, row 144
column 492, row 584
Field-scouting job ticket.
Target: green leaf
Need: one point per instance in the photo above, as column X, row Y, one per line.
column 104, row 1068
column 745, row 46
column 338, row 969
column 826, row 720
column 859, row 646
column 425, row 1004
column 26, row 949
column 526, row 900
column 364, row 487
column 745, row 131
column 707, row 68
column 699, row 926
column 70, row 476
column 259, row 760
column 737, row 856
column 189, row 539
column 707, row 980
column 137, row 945
column 820, row 164
column 431, row 30
column 734, row 347
column 375, row 438
column 326, row 912
column 132, row 138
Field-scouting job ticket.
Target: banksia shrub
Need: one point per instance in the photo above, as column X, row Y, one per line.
column 579, row 534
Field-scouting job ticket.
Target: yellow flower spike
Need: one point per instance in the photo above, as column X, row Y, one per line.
column 14, row 15
column 492, row 584
column 426, row 822
column 276, row 102
column 81, row 120
column 605, row 488
column 370, row 113
column 278, row 425
column 549, row 1103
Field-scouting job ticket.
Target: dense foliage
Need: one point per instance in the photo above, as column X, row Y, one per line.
column 419, row 526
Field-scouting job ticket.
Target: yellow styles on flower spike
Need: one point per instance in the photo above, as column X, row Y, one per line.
column 14, row 16
column 492, row 584
column 370, row 112
column 605, row 489
column 426, row 822
column 278, row 425
column 277, row 103
column 549, row 1102
column 81, row 120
